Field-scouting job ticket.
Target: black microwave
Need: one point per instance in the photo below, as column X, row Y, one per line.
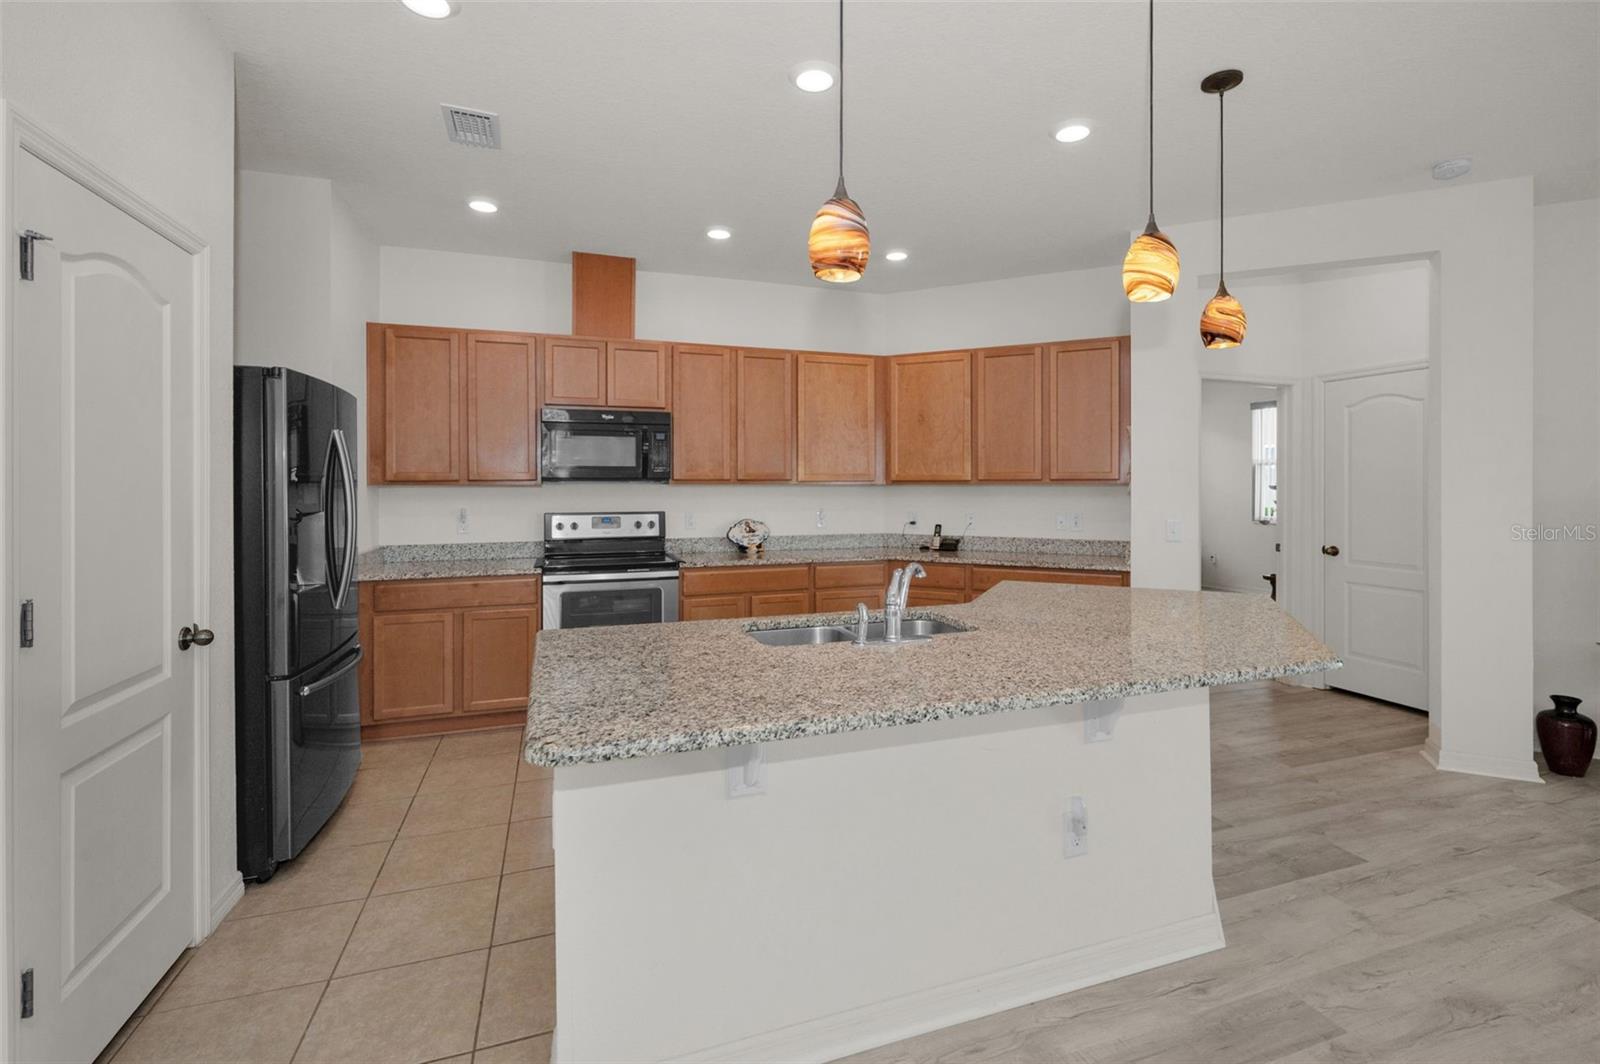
column 585, row 443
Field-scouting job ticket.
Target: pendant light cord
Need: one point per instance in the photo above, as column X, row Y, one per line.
column 1151, row 68
column 841, row 94
column 1222, row 191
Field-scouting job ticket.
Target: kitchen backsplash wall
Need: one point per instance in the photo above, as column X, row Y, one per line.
column 432, row 514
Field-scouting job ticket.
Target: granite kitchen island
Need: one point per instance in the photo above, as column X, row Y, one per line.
column 796, row 852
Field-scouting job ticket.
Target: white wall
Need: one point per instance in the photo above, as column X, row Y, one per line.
column 1480, row 238
column 146, row 92
column 308, row 284
column 424, row 287
column 1234, row 549
column 1566, row 450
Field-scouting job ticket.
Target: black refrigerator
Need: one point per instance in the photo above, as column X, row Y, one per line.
column 298, row 733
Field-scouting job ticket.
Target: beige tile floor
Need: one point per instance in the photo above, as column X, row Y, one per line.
column 417, row 927
column 1375, row 909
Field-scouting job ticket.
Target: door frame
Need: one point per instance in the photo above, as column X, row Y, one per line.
column 23, row 134
column 1315, row 598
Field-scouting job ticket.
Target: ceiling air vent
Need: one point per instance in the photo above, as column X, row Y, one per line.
column 479, row 129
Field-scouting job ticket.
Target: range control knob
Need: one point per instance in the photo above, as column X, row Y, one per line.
column 636, row 524
column 652, row 524
column 560, row 526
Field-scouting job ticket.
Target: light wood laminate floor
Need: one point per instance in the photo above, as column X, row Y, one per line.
column 1375, row 910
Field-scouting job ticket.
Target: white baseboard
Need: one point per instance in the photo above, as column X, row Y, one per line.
column 1525, row 770
column 839, row 1035
column 224, row 902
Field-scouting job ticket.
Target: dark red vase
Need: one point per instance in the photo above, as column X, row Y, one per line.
column 1566, row 737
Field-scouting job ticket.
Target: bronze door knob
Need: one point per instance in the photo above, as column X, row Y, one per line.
column 1331, row 551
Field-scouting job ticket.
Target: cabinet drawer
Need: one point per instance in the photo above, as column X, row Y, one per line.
column 733, row 581
column 780, row 603
column 987, row 576
column 944, row 576
column 713, row 607
column 388, row 596
column 851, row 574
column 935, row 596
column 843, row 600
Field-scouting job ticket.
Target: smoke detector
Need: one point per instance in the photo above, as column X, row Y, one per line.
column 477, row 129
column 1450, row 169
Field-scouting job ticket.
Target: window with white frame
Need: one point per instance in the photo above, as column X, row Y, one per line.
column 1264, row 463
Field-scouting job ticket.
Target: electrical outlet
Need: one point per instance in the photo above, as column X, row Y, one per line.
column 1076, row 524
column 688, row 521
column 822, row 518
column 972, row 516
column 1174, row 530
column 1076, row 841
column 461, row 521
column 1061, row 522
column 911, row 517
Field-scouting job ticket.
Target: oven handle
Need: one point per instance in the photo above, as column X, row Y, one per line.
column 602, row 578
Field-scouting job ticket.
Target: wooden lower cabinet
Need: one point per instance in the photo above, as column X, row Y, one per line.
column 986, row 576
column 731, row 592
column 446, row 655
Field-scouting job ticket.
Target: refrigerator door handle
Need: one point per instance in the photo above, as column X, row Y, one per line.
column 340, row 571
column 348, row 662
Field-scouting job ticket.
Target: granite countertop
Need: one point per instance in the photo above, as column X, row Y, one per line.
column 607, row 694
column 1029, row 559
column 430, row 561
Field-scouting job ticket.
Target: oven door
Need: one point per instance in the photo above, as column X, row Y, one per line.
column 597, row 600
column 578, row 451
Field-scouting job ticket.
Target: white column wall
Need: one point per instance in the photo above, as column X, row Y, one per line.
column 1480, row 238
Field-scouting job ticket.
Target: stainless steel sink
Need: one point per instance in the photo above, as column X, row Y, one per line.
column 912, row 629
column 809, row 636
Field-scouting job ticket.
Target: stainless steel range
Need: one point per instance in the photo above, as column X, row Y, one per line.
column 606, row 569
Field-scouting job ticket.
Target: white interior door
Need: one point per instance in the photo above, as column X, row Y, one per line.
column 105, row 414
column 1375, row 534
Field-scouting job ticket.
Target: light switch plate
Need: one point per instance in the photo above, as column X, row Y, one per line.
column 1076, row 841
column 1174, row 530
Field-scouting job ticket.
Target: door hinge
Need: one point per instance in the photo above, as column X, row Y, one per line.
column 27, row 993
column 25, row 624
column 26, row 241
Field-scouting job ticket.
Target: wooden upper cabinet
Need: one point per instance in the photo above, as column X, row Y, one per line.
column 502, row 383
column 574, row 372
column 703, row 406
column 836, row 418
column 636, row 375
column 1086, row 409
column 765, row 414
column 416, row 382
column 930, row 417
column 1009, row 413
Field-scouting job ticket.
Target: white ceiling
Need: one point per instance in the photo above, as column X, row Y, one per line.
column 631, row 127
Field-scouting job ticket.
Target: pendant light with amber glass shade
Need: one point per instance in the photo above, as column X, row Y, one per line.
column 839, row 243
column 1222, row 323
column 1150, row 269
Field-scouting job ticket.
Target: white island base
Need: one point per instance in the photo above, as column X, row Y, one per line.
column 887, row 882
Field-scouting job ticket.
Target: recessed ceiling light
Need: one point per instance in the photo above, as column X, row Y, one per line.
column 483, row 206
column 719, row 232
column 1450, row 169
column 896, row 255
column 1072, row 133
column 431, row 8
column 814, row 77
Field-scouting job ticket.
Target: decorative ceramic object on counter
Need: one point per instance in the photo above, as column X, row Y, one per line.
column 748, row 535
column 1566, row 736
